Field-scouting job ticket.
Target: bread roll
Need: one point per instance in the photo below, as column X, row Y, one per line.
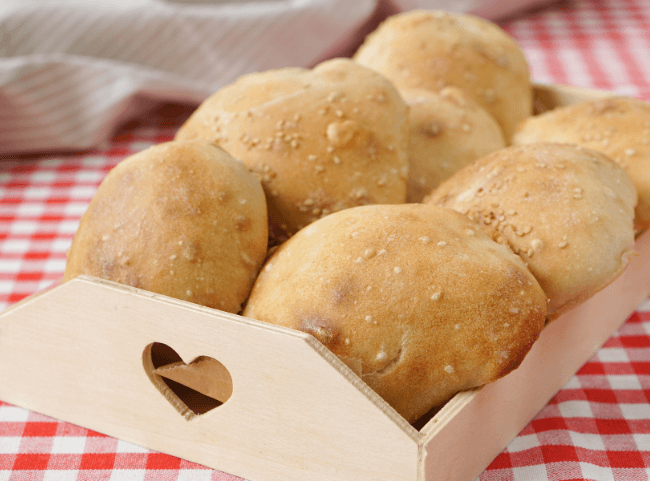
column 447, row 131
column 320, row 140
column 567, row 211
column 432, row 49
column 416, row 299
column 618, row 127
column 182, row 219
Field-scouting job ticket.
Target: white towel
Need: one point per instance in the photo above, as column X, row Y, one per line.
column 71, row 70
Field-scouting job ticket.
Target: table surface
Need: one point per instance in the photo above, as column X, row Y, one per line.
column 597, row 427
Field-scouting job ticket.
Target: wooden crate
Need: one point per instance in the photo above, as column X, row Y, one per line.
column 87, row 351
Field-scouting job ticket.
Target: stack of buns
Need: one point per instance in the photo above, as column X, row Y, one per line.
column 290, row 196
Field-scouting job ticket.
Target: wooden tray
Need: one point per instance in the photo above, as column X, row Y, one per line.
column 87, row 351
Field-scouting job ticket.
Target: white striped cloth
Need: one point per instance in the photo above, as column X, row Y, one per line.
column 71, row 70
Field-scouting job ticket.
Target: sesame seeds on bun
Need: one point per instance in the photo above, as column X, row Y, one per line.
column 434, row 49
column 618, row 127
column 320, row 140
column 415, row 298
column 567, row 211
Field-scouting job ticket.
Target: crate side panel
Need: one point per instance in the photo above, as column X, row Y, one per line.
column 75, row 353
column 464, row 444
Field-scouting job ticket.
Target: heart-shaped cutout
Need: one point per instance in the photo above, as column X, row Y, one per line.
column 194, row 388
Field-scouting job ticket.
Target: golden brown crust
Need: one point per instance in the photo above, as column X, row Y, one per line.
column 414, row 298
column 447, row 131
column 182, row 219
column 320, row 140
column 618, row 127
column 432, row 49
column 567, row 211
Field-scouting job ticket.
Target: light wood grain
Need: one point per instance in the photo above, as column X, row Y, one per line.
column 75, row 353
column 484, row 421
column 205, row 375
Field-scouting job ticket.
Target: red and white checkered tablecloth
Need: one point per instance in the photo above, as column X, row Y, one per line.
column 596, row 428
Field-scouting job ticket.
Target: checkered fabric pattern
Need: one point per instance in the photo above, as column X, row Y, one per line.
column 596, row 428
column 600, row 44
column 42, row 200
column 37, row 448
